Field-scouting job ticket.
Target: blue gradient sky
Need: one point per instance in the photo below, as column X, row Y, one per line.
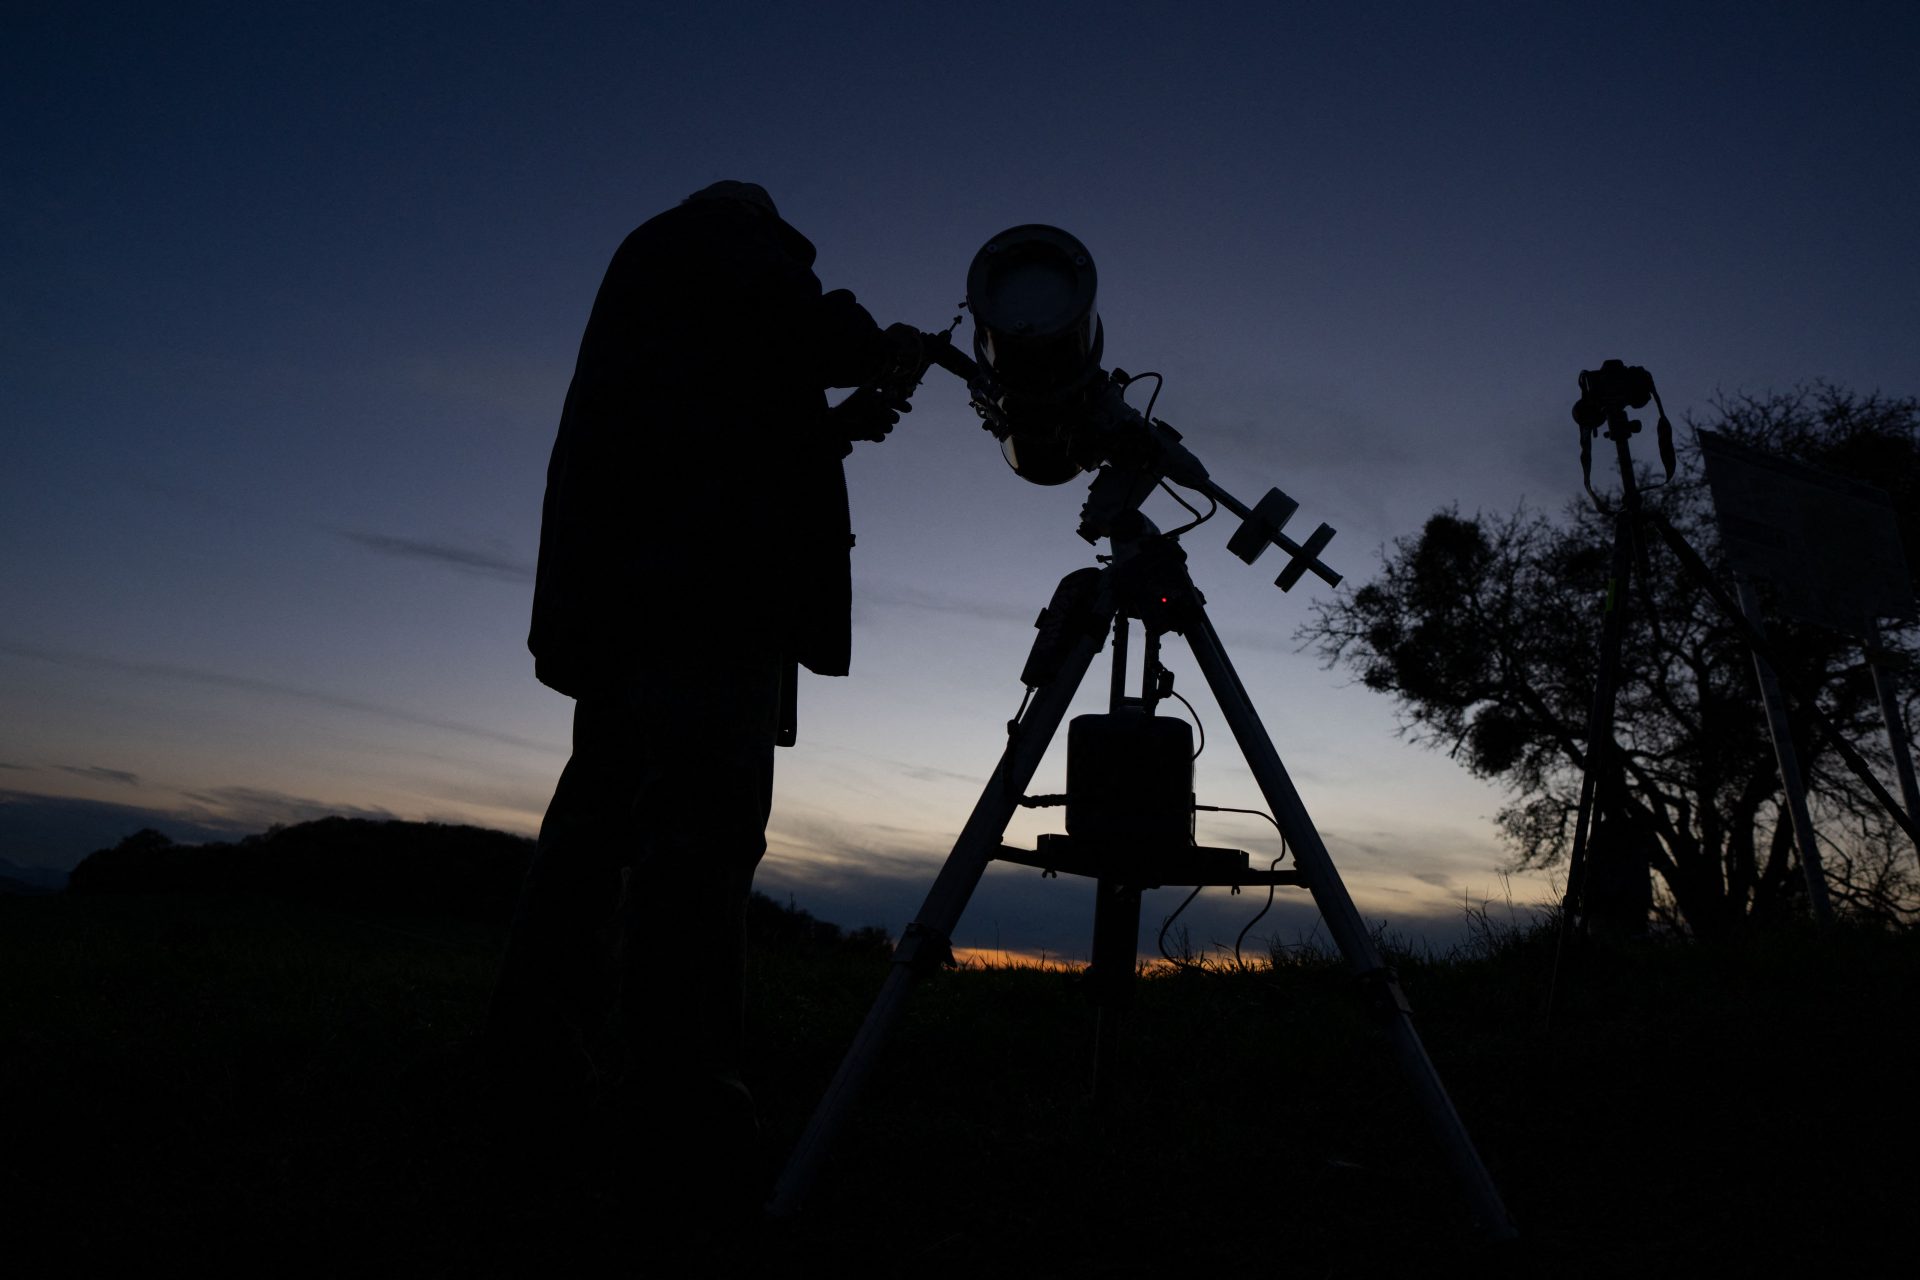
column 289, row 297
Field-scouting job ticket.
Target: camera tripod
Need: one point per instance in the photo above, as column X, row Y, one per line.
column 1601, row 818
column 1145, row 580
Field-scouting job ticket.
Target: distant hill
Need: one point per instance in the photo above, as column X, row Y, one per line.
column 413, row 868
column 54, row 832
column 404, row 868
column 15, row 878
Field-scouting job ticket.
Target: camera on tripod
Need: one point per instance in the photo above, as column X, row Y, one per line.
column 1606, row 394
column 1612, row 388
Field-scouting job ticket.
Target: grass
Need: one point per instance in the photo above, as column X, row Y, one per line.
column 245, row 1085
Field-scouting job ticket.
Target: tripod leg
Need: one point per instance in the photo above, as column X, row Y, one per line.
column 924, row 944
column 1780, row 728
column 1597, row 779
column 1883, row 688
column 1344, row 923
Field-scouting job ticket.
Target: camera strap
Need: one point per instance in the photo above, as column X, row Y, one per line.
column 1663, row 432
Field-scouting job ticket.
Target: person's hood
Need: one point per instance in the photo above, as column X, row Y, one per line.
column 751, row 192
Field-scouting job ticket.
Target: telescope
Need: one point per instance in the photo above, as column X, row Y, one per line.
column 1031, row 290
column 1037, row 383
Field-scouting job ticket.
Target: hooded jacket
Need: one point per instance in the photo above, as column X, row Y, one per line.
column 695, row 500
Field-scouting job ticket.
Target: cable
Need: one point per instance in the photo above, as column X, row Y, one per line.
column 1191, row 509
column 1212, row 505
column 1161, row 941
column 1257, row 813
column 1158, row 382
column 1168, row 924
column 1198, row 519
column 1274, row 866
column 1198, row 727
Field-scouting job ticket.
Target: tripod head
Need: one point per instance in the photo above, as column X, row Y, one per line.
column 1037, row 384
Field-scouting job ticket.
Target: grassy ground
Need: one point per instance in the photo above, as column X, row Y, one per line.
column 254, row 1087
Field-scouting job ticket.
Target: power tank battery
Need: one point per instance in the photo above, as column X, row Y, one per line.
column 1130, row 780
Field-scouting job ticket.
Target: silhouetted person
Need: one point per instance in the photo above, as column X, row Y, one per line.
column 694, row 545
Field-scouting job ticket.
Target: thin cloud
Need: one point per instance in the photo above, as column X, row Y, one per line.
column 890, row 595
column 195, row 675
column 58, row 831
column 833, row 849
column 928, row 773
column 258, row 807
column 906, row 768
column 1266, row 641
column 490, row 564
column 24, row 768
column 100, row 774
column 1372, row 846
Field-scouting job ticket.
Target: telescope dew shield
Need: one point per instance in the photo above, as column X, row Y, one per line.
column 1038, row 340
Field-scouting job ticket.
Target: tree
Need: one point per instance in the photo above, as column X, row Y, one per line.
column 1485, row 631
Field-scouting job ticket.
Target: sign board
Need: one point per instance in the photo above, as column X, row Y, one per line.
column 1829, row 545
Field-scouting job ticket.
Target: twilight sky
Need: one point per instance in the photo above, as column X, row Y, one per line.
column 290, row 295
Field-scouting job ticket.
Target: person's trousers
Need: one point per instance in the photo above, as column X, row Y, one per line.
column 626, row 956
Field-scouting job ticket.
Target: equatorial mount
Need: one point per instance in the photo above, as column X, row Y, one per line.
column 1036, row 381
column 1131, row 455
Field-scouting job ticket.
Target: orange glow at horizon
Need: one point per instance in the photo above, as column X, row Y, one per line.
column 1003, row 958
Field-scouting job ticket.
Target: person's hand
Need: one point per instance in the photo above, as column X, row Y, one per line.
column 906, row 358
column 868, row 414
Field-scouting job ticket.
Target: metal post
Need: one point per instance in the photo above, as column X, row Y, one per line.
column 1896, row 727
column 1116, row 950
column 1781, row 730
column 1116, row 912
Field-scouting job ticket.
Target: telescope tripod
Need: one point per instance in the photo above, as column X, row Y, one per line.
column 1146, row 580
